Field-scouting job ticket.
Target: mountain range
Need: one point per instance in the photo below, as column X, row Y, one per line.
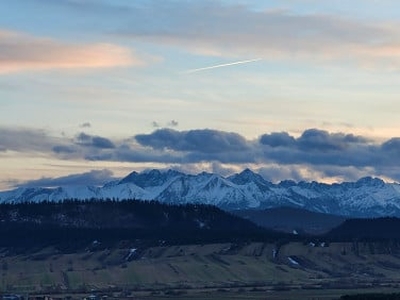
column 367, row 197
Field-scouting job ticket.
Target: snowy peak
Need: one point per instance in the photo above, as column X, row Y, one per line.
column 370, row 181
column 287, row 183
column 247, row 176
column 150, row 178
column 367, row 197
column 217, row 182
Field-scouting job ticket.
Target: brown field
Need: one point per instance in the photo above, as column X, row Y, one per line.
column 216, row 271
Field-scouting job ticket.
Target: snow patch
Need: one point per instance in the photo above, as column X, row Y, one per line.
column 292, row 261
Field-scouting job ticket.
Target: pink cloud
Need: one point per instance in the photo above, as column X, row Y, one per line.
column 21, row 52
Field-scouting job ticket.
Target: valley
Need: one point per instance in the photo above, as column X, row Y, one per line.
column 173, row 248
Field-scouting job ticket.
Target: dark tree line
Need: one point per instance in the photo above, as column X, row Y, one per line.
column 377, row 229
column 71, row 225
column 376, row 296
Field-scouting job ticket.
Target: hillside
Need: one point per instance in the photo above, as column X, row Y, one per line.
column 73, row 225
column 367, row 229
column 289, row 219
column 211, row 271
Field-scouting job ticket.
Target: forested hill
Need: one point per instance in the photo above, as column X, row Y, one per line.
column 80, row 222
column 367, row 229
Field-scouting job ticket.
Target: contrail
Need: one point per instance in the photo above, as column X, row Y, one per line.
column 222, row 65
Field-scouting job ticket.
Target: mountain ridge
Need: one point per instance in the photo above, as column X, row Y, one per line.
column 366, row 197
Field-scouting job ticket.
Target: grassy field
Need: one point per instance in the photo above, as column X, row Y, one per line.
column 217, row 271
column 251, row 294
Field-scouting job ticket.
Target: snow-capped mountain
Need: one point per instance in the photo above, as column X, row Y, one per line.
column 367, row 197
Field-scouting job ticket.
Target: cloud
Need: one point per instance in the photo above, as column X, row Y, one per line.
column 212, row 28
column 173, row 123
column 85, row 125
column 60, row 149
column 277, row 139
column 200, row 140
column 315, row 153
column 318, row 147
column 93, row 177
column 313, row 140
column 21, row 52
column 26, row 140
column 94, row 141
column 321, row 140
column 277, row 173
column 392, row 145
column 229, row 30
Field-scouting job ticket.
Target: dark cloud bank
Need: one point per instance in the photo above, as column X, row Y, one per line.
column 92, row 178
column 332, row 154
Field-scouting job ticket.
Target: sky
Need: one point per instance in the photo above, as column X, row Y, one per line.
column 91, row 90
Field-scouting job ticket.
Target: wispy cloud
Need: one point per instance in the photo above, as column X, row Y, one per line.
column 26, row 140
column 21, row 52
column 173, row 123
column 85, row 125
column 211, row 28
column 229, row 30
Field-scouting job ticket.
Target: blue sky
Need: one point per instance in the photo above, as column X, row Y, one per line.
column 100, row 88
